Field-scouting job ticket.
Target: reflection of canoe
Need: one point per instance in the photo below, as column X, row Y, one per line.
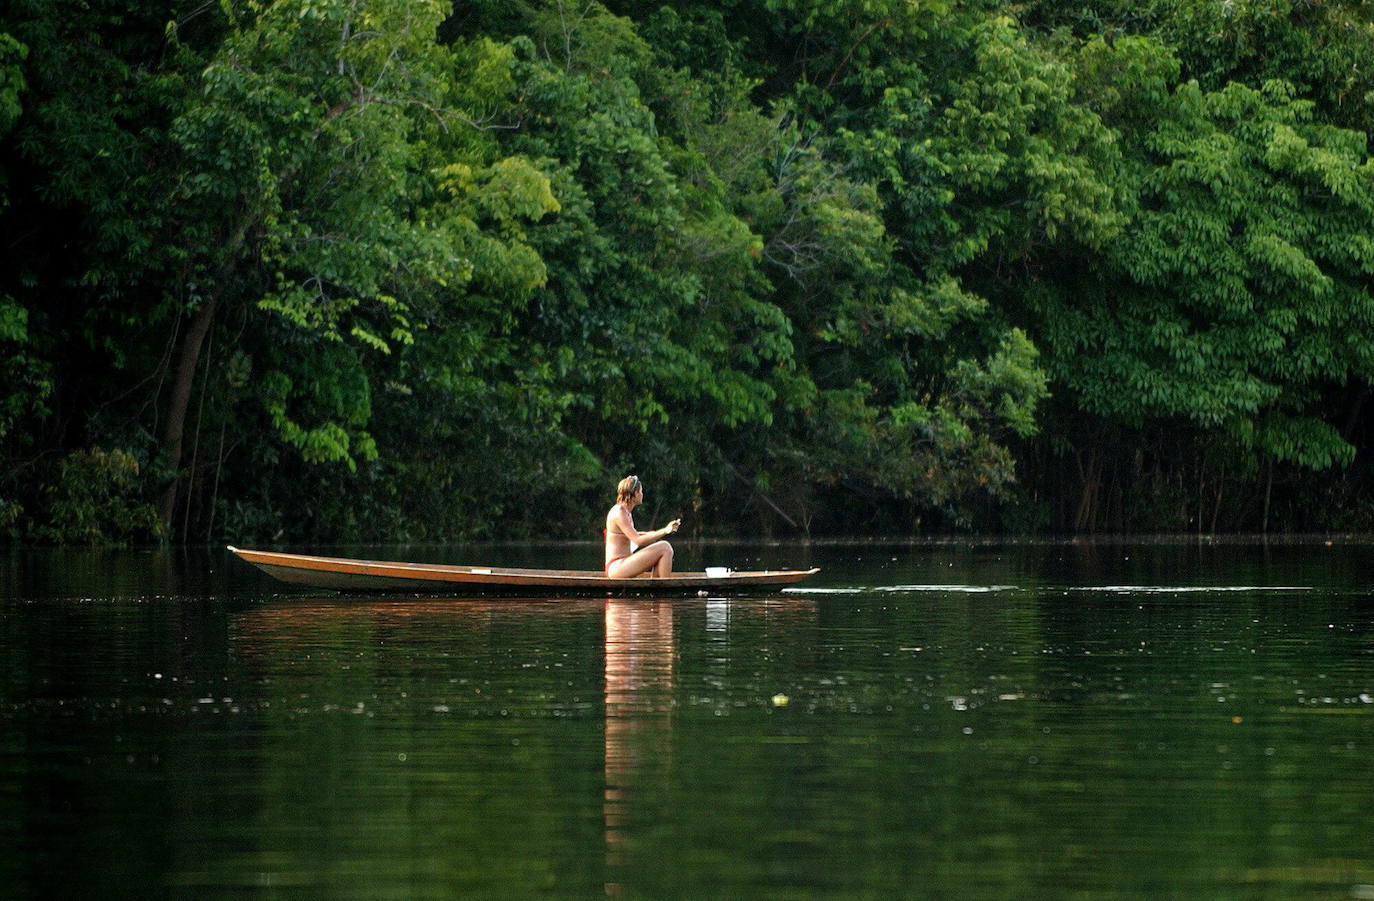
column 380, row 575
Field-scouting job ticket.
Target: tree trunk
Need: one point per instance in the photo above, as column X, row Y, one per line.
column 1268, row 492
column 1090, row 477
column 1216, row 508
column 187, row 361
column 1354, row 411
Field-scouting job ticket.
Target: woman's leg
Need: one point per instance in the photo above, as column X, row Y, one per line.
column 664, row 566
column 657, row 557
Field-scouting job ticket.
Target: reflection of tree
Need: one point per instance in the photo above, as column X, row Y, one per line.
column 437, row 744
column 639, row 727
column 494, row 705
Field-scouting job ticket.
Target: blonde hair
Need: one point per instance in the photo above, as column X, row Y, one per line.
column 626, row 490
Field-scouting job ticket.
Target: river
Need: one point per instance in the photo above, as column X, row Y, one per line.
column 1104, row 720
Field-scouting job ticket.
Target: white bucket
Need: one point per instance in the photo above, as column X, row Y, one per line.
column 717, row 572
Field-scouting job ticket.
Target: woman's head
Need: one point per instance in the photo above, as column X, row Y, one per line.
column 628, row 490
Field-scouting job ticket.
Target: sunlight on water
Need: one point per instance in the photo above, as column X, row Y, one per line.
column 956, row 589
column 1185, row 589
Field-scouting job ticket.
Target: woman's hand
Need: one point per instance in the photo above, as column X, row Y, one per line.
column 674, row 526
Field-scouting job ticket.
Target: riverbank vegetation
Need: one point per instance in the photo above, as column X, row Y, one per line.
column 403, row 270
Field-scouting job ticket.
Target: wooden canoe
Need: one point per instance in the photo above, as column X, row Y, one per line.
column 380, row 575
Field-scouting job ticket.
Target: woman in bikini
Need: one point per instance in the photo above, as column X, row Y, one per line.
column 654, row 554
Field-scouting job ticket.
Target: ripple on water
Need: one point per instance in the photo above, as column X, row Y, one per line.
column 1010, row 729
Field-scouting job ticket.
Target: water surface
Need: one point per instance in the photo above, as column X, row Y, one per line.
column 1107, row 721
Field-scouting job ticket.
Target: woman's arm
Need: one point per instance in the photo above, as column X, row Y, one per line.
column 627, row 528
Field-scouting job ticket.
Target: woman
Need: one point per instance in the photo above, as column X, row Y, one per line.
column 654, row 554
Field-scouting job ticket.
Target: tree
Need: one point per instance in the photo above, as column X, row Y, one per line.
column 26, row 383
column 1240, row 287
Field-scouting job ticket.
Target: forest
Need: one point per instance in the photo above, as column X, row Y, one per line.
column 302, row 271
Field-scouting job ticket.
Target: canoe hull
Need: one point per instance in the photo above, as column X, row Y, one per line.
column 347, row 574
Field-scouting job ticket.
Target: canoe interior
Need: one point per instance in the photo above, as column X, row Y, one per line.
column 347, row 574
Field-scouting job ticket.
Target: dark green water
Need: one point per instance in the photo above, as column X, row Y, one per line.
column 950, row 721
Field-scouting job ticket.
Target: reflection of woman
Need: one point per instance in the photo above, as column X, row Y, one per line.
column 654, row 554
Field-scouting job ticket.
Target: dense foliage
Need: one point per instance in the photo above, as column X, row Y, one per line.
column 308, row 270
